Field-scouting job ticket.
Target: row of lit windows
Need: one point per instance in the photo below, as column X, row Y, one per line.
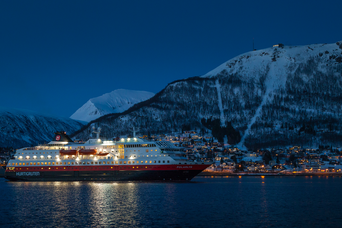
column 40, row 153
column 86, row 163
column 73, row 156
column 70, row 148
column 139, row 145
column 139, row 150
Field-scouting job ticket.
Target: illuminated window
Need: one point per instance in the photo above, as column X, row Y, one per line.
column 38, row 163
column 120, row 162
column 156, row 150
column 72, row 163
column 116, row 162
column 129, row 162
column 112, row 162
column 154, row 161
column 137, row 162
column 95, row 163
column 132, row 162
column 30, row 163
column 87, row 163
column 53, row 163
column 16, row 163
column 145, row 161
column 108, row 163
column 124, row 162
column 150, row 161
column 146, row 150
column 65, row 163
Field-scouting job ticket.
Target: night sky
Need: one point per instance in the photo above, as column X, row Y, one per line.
column 55, row 55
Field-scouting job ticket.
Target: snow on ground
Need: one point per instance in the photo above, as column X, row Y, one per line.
column 218, row 87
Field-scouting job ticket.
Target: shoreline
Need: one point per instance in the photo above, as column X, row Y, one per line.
column 202, row 174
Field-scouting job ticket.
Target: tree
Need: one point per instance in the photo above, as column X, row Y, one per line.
column 267, row 157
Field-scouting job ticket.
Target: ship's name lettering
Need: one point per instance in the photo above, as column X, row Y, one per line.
column 28, row 173
column 184, row 167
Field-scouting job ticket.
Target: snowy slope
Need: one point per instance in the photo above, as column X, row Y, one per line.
column 114, row 102
column 275, row 96
column 20, row 128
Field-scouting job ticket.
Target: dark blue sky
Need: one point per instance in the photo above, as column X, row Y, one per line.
column 55, row 55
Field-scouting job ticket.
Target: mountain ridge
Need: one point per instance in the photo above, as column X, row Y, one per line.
column 256, row 91
column 21, row 128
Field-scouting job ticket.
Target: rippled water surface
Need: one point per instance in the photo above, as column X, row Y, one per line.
column 204, row 202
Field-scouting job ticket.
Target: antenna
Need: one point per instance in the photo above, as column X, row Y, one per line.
column 97, row 132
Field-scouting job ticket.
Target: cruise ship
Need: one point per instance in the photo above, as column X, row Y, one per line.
column 126, row 159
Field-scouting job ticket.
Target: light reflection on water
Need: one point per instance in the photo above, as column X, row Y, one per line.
column 206, row 202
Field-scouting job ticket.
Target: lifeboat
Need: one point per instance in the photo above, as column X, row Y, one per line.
column 87, row 152
column 68, row 152
column 102, row 154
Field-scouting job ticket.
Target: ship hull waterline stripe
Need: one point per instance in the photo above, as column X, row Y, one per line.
column 120, row 175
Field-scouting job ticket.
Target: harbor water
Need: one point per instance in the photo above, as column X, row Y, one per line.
column 204, row 202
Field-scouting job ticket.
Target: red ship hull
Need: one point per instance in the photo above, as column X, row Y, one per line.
column 106, row 173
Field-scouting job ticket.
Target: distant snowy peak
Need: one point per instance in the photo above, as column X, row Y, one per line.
column 116, row 101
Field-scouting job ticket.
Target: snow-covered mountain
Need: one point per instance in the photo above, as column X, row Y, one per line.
column 20, row 128
column 277, row 96
column 114, row 102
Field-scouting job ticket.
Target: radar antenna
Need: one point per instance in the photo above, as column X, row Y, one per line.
column 97, row 132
